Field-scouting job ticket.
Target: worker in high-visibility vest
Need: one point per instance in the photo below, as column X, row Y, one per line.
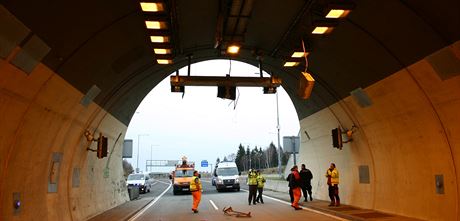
column 294, row 183
column 332, row 175
column 196, row 189
column 252, row 183
column 260, row 187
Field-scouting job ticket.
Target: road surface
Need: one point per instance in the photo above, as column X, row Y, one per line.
column 167, row 206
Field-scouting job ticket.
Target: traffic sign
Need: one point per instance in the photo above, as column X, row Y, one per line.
column 204, row 163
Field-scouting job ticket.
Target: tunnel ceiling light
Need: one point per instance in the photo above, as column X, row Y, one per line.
column 159, row 39
column 299, row 54
column 164, row 61
column 162, row 51
column 337, row 13
column 322, row 30
column 155, row 24
column 291, row 63
column 152, row 7
column 233, row 49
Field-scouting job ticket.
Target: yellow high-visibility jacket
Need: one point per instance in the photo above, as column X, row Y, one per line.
column 252, row 179
column 260, row 181
column 193, row 185
column 334, row 176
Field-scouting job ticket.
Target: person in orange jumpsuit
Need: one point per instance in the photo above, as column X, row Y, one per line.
column 295, row 184
column 196, row 188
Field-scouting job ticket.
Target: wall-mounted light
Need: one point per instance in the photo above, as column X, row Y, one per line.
column 156, row 24
column 233, row 49
column 159, row 39
column 152, row 7
column 164, row 61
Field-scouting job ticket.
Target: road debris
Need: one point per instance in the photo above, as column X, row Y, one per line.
column 230, row 212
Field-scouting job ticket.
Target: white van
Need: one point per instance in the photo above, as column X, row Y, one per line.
column 142, row 180
column 226, row 176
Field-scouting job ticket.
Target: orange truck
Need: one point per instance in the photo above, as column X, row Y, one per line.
column 182, row 176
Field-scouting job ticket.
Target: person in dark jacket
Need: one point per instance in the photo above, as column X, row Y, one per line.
column 290, row 189
column 306, row 176
column 295, row 183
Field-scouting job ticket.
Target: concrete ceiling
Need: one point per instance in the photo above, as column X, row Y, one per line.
column 105, row 43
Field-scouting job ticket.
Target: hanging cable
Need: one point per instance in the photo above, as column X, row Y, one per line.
column 230, row 67
column 305, row 55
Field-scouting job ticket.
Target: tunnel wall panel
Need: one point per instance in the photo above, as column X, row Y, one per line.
column 41, row 114
column 407, row 136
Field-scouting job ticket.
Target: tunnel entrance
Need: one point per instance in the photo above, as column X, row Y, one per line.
column 202, row 126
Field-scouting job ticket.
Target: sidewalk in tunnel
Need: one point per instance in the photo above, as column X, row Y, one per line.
column 126, row 210
column 343, row 211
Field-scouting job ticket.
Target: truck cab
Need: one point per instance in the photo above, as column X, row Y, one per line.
column 182, row 176
column 226, row 176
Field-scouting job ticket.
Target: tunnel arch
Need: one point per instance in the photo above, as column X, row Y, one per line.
column 412, row 121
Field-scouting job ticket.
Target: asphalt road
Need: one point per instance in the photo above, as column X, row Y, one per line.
column 166, row 206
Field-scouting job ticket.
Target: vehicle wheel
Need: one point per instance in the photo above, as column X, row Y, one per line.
column 218, row 190
column 174, row 192
column 238, row 189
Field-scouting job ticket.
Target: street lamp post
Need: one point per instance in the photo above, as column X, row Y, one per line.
column 278, row 127
column 138, row 141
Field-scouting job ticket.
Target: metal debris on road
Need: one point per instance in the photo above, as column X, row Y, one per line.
column 230, row 212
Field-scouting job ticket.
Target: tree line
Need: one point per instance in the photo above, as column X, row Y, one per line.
column 256, row 158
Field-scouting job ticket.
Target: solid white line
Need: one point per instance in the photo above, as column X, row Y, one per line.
column 149, row 205
column 163, row 182
column 214, row 205
column 305, row 208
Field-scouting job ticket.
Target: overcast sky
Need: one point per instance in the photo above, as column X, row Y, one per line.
column 202, row 126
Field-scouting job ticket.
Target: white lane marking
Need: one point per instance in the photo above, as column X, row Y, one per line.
column 305, row 208
column 149, row 205
column 214, row 205
column 164, row 182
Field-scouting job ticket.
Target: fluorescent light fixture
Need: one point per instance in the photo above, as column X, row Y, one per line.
column 337, row 13
column 299, row 54
column 291, row 64
column 159, row 39
column 233, row 49
column 322, row 30
column 155, row 24
column 162, row 51
column 152, row 7
column 164, row 61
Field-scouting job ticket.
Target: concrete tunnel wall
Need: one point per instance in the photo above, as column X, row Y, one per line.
column 41, row 115
column 409, row 134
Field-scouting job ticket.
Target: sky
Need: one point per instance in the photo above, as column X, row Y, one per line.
column 202, row 126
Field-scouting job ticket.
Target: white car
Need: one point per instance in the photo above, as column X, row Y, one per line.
column 143, row 181
column 226, row 177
